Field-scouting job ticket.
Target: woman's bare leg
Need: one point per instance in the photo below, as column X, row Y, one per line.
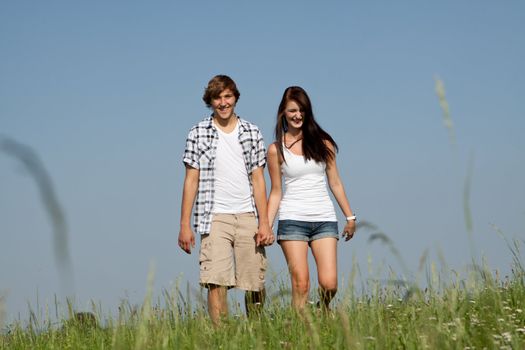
column 296, row 254
column 325, row 254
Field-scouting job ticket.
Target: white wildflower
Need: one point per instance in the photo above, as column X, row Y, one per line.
column 507, row 336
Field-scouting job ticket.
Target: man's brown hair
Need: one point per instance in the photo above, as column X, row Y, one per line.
column 218, row 84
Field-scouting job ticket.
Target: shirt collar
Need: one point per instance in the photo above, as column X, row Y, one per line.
column 242, row 123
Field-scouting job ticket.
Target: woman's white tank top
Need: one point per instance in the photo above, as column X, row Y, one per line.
column 306, row 196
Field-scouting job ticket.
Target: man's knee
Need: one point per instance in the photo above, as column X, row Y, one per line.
column 217, row 292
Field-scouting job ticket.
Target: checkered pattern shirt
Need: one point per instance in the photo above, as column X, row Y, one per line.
column 200, row 153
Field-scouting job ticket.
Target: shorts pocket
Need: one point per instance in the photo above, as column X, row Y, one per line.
column 263, row 262
column 205, row 253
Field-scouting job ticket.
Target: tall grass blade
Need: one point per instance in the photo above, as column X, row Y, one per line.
column 383, row 238
column 466, row 197
column 447, row 119
column 514, row 249
column 34, row 166
column 422, row 260
column 146, row 312
column 2, row 312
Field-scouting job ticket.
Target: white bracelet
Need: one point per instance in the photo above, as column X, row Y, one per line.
column 348, row 218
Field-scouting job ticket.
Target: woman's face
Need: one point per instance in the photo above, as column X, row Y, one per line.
column 294, row 115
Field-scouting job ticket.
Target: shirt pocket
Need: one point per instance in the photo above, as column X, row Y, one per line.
column 205, row 153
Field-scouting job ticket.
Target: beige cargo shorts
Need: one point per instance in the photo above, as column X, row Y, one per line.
column 229, row 256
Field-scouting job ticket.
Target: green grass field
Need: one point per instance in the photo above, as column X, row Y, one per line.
column 479, row 311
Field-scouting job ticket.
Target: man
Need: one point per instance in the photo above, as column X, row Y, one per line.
column 225, row 158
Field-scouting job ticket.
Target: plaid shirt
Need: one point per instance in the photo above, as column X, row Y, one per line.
column 200, row 153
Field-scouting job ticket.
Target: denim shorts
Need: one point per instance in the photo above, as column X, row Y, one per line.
column 294, row 230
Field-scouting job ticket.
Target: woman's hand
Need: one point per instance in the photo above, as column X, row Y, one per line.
column 349, row 230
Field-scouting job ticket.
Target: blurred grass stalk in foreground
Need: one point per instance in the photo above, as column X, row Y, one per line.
column 30, row 160
column 2, row 311
column 447, row 120
column 449, row 125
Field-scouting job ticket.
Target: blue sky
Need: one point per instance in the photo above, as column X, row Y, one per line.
column 106, row 92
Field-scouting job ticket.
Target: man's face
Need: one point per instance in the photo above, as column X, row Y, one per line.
column 224, row 104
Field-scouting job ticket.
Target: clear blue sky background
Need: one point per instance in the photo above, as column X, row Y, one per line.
column 106, row 92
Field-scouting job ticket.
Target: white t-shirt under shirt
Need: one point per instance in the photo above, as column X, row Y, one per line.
column 306, row 196
column 232, row 186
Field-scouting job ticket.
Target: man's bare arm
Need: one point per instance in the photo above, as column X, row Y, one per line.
column 191, row 185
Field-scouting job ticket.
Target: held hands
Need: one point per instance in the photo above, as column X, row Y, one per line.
column 264, row 236
column 349, row 230
column 186, row 239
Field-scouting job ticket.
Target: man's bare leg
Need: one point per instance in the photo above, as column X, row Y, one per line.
column 217, row 303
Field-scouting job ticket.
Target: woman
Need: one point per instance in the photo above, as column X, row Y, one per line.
column 303, row 154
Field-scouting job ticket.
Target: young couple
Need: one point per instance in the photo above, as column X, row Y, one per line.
column 225, row 158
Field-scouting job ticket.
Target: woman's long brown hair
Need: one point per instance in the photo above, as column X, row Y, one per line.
column 314, row 137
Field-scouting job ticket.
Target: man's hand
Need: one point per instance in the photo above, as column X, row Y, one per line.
column 264, row 236
column 186, row 239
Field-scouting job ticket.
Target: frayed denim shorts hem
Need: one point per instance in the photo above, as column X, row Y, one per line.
column 307, row 231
